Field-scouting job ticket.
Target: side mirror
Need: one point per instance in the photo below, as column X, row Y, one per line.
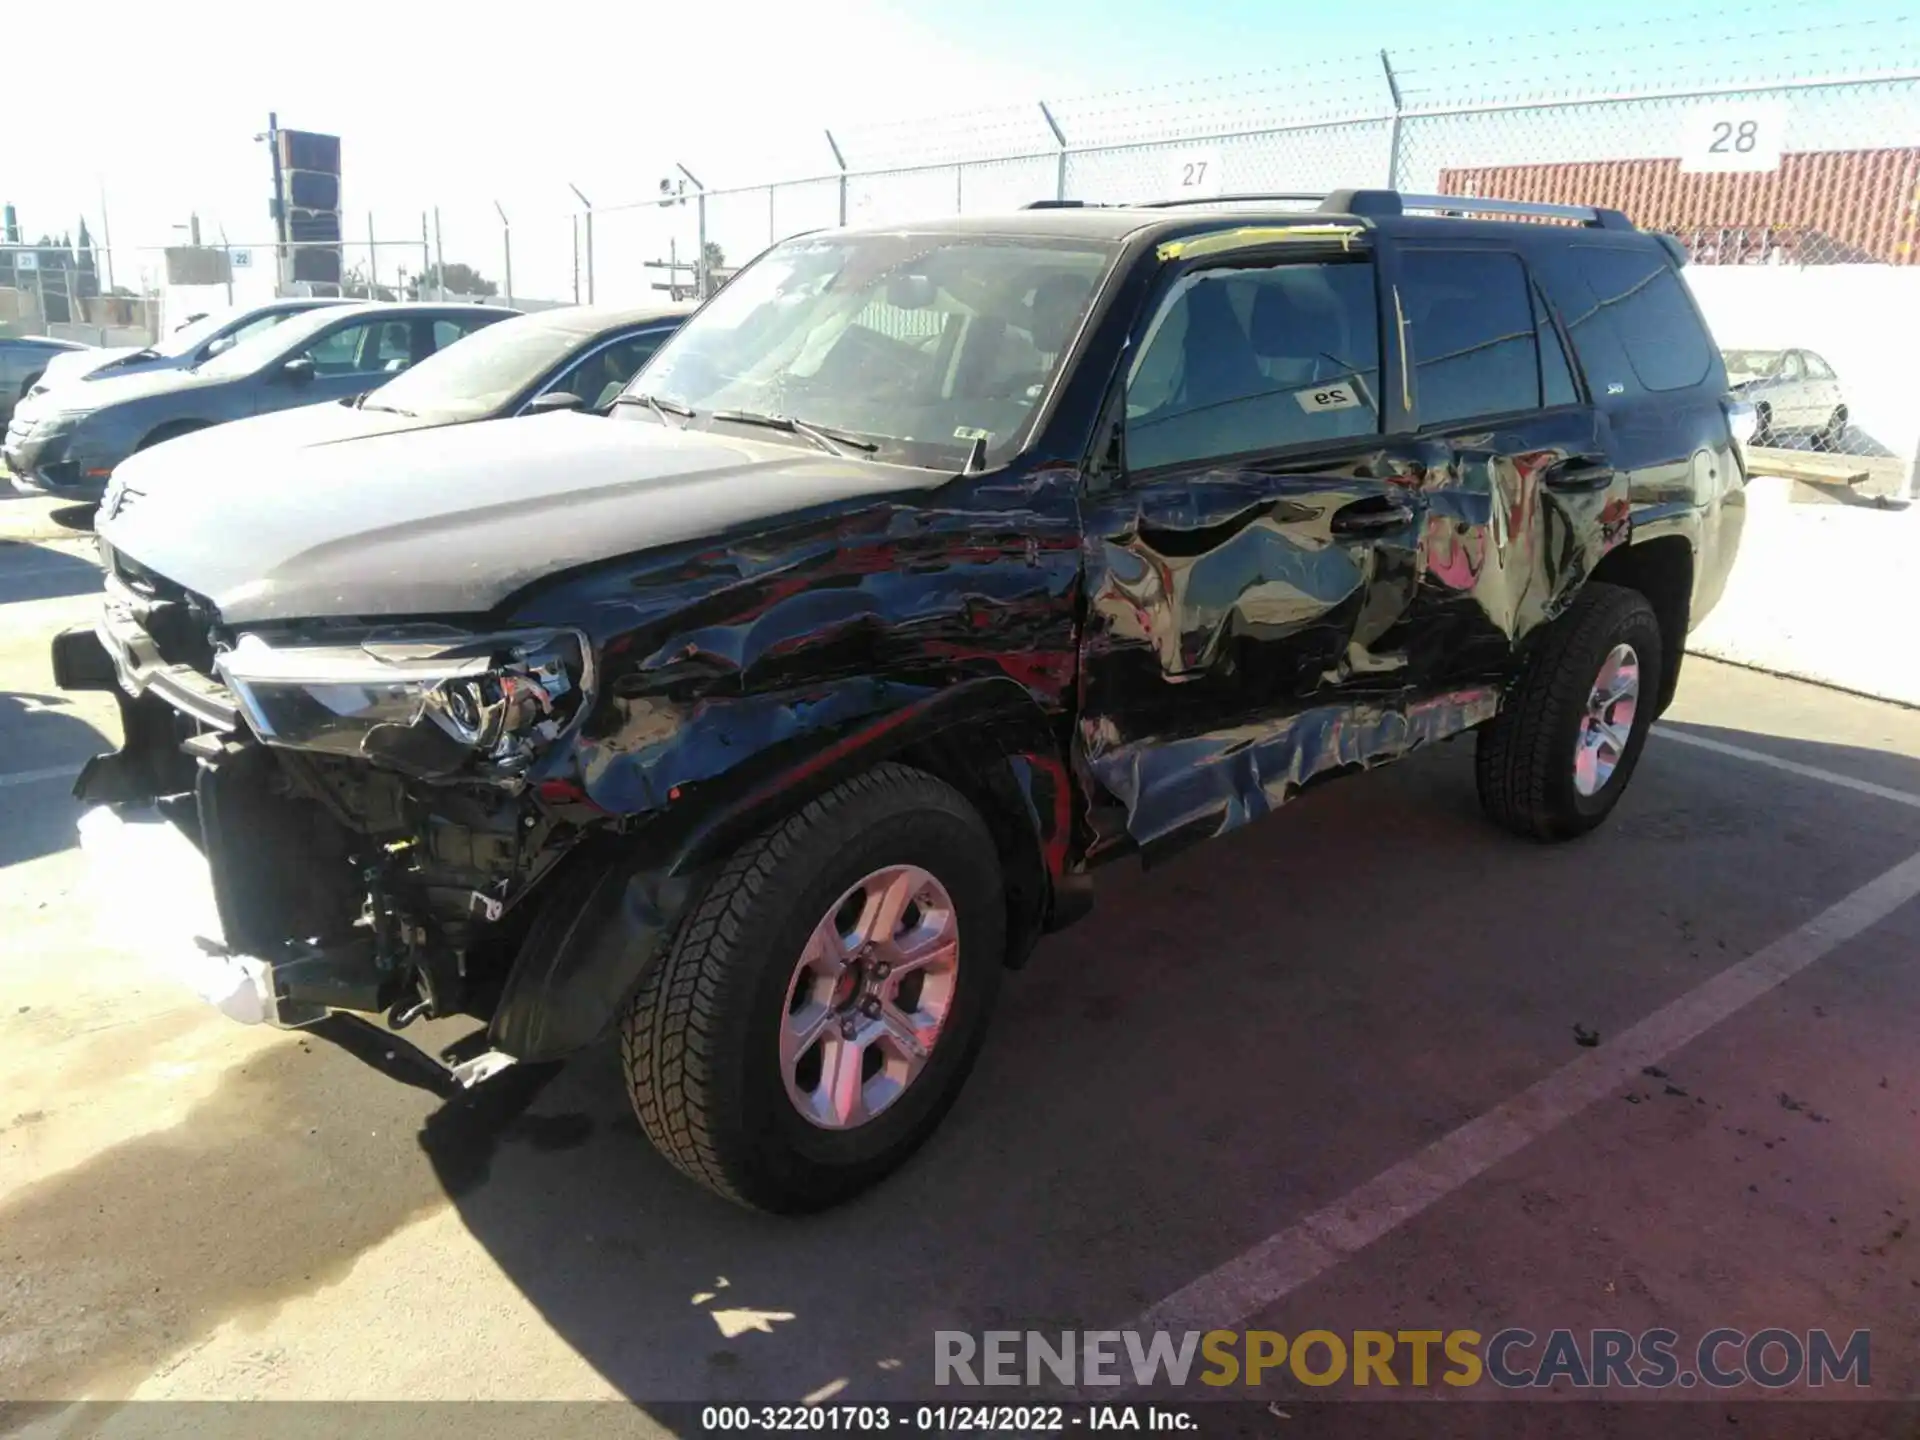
column 298, row 370
column 554, row 400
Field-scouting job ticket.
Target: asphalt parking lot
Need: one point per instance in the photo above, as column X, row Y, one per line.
column 1324, row 1074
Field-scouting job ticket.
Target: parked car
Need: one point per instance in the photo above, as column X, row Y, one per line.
column 926, row 569
column 67, row 441
column 191, row 344
column 22, row 360
column 576, row 358
column 1794, row 394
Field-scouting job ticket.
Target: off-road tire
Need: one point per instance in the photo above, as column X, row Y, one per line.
column 699, row 1040
column 1523, row 762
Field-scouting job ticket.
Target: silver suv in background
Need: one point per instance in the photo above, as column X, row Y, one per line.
column 1794, row 393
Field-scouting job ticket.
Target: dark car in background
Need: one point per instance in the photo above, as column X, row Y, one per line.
column 576, row 358
column 23, row 359
column 195, row 342
column 67, row 441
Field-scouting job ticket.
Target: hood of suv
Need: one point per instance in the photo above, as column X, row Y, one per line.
column 455, row 520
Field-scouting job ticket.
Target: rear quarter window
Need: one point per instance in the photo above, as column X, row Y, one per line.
column 1643, row 301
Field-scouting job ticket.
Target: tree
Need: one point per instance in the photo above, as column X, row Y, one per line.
column 460, row 280
column 715, row 257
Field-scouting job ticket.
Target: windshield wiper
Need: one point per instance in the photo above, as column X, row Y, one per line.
column 834, row 442
column 662, row 408
column 390, row 409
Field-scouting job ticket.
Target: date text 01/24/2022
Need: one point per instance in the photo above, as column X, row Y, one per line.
column 941, row 1419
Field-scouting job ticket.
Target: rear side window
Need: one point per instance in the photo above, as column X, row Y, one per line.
column 1247, row 360
column 1648, row 307
column 1471, row 317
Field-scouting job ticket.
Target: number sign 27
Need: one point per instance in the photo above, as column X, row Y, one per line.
column 1733, row 136
column 1194, row 174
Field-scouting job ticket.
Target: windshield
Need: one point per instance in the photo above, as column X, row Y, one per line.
column 482, row 372
column 192, row 335
column 1752, row 365
column 265, row 346
column 923, row 344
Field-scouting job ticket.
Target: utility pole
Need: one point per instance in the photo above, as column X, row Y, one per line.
column 226, row 251
column 279, row 205
column 439, row 255
column 589, row 204
column 576, row 259
column 1393, row 126
column 373, row 261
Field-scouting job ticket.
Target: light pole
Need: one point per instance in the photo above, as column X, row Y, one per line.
column 589, row 204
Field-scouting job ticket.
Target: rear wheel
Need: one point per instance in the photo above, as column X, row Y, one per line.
column 822, row 1002
column 1762, row 425
column 1833, row 432
column 1557, row 758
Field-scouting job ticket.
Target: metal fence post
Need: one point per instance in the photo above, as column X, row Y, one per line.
column 373, row 261
column 773, row 232
column 426, row 260
column 1060, row 136
column 1393, row 125
column 589, row 204
column 506, row 246
column 841, row 161
column 702, row 271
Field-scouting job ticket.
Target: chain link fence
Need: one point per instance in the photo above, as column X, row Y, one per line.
column 1793, row 182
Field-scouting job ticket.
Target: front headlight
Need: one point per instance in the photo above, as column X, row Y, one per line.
column 430, row 701
column 58, row 422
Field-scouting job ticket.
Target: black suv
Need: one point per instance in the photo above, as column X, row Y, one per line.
column 763, row 721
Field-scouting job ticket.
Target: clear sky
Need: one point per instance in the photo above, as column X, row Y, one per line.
column 457, row 106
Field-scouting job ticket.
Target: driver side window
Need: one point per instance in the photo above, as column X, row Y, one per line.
column 1246, row 360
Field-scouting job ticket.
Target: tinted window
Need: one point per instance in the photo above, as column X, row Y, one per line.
column 1556, row 374
column 1816, row 367
column 598, row 377
column 339, row 352
column 1243, row 360
column 1648, row 308
column 445, row 332
column 1471, row 321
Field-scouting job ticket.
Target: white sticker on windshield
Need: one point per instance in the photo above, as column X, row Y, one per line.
column 969, row 432
column 1337, row 395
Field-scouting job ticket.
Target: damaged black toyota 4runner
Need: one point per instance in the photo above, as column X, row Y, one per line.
column 761, row 723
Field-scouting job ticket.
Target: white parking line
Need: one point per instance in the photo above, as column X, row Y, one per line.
column 1283, row 1262
column 34, row 777
column 1791, row 767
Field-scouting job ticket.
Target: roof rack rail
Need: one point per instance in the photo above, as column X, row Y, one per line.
column 1061, row 205
column 1376, row 203
column 1296, row 195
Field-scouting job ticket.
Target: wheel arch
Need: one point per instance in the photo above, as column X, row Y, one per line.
column 170, row 430
column 1662, row 570
column 614, row 903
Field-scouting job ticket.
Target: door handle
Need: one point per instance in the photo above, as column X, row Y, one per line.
column 1376, row 512
column 1579, row 472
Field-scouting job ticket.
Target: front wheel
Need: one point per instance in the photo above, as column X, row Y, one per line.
column 1556, row 759
column 823, row 1000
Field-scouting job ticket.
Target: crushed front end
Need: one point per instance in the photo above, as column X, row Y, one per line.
column 369, row 805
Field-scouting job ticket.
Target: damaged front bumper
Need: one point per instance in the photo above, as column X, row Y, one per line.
column 281, row 884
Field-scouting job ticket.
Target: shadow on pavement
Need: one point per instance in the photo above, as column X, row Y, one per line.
column 33, row 572
column 38, row 732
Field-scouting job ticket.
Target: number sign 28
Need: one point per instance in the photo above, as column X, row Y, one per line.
column 1733, row 136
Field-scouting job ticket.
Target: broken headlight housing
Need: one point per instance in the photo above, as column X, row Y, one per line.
column 426, row 700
